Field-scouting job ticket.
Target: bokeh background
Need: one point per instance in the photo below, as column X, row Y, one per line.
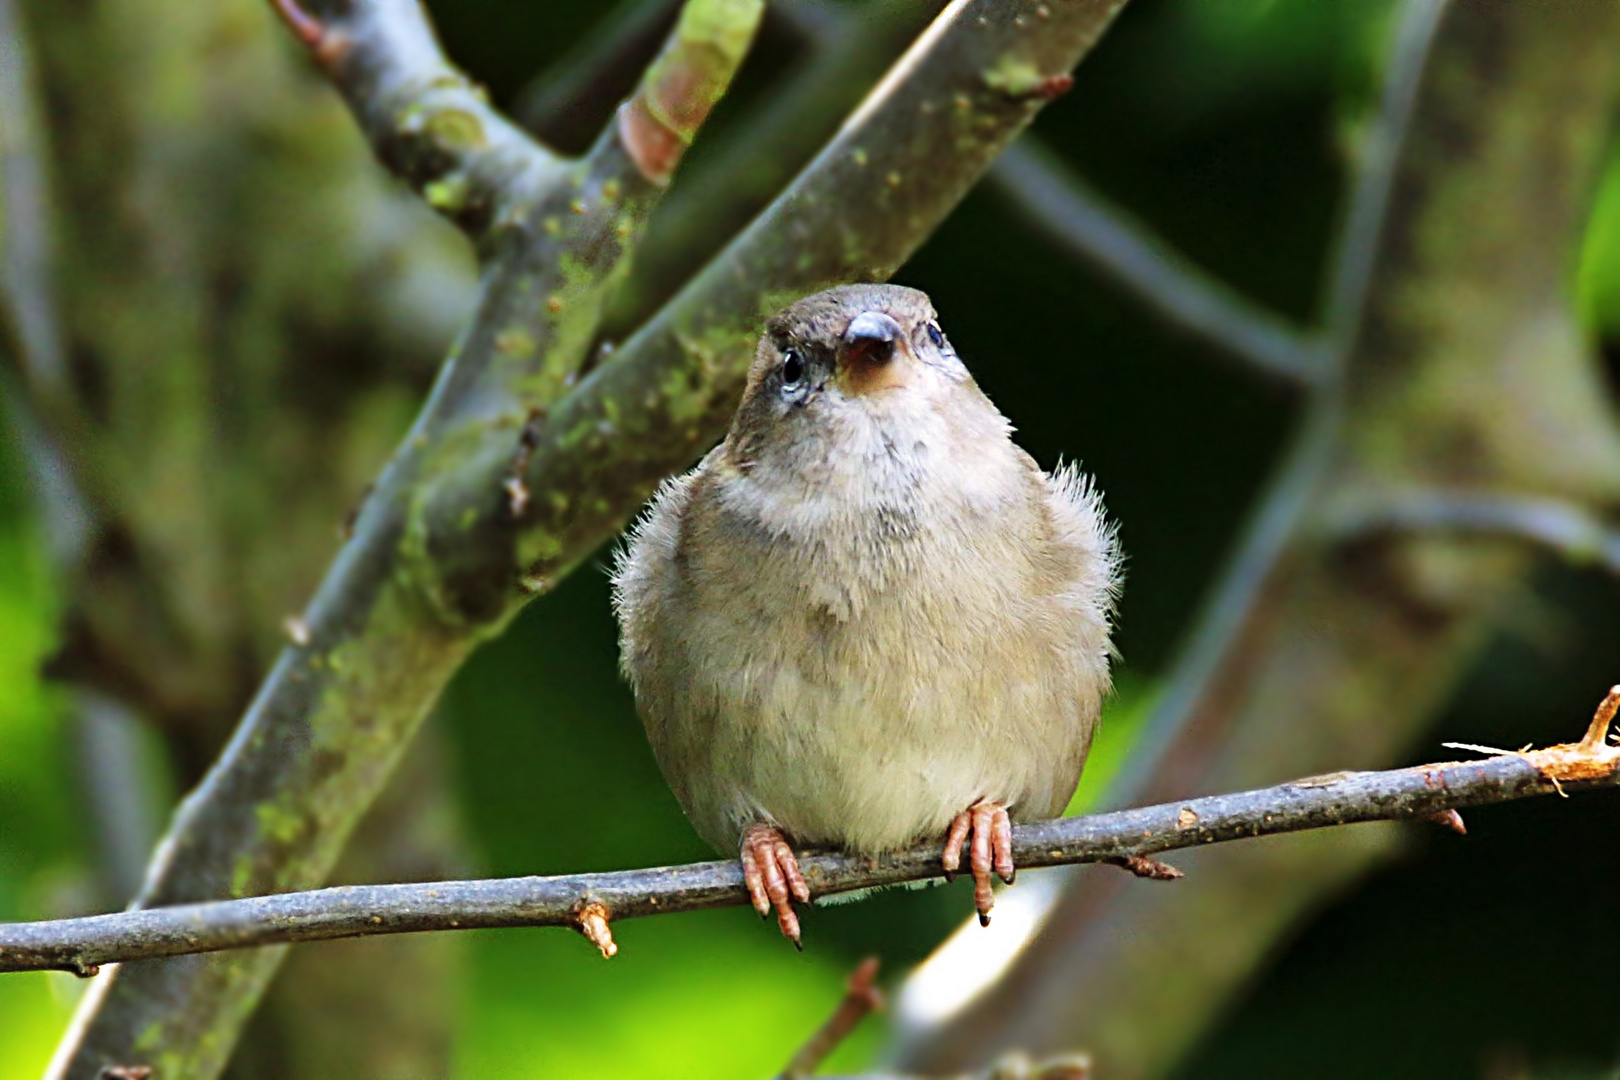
column 1230, row 127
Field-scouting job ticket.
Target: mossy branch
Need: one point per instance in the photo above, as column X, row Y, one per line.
column 901, row 162
column 425, row 119
column 499, row 476
column 382, row 637
column 588, row 902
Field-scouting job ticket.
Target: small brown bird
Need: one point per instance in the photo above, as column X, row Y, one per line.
column 867, row 617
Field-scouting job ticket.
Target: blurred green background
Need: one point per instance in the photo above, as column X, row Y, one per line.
column 1226, row 125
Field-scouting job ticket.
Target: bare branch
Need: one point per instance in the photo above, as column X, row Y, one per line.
column 862, row 997
column 425, row 119
column 1562, row 527
column 82, row 945
column 1065, row 210
column 567, row 101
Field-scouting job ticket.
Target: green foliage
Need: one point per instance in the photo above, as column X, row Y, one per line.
column 40, row 867
column 1598, row 278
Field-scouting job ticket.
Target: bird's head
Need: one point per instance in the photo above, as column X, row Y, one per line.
column 850, row 364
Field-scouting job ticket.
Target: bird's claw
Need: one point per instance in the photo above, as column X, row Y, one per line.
column 991, row 850
column 771, row 872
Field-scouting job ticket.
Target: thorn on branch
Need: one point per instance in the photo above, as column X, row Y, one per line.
column 1054, row 86
column 1144, row 867
column 1449, row 819
column 305, row 27
column 593, row 923
column 346, row 527
column 861, row 998
column 326, row 47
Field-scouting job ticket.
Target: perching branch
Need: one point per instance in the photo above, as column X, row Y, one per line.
column 1421, row 792
column 493, row 479
column 1067, row 212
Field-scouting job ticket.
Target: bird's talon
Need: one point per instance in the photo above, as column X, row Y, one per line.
column 771, row 872
column 989, row 852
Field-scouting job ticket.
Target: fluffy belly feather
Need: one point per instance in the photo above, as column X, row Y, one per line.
column 879, row 736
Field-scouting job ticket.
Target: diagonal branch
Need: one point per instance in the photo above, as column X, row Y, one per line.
column 27, row 306
column 860, row 998
column 338, row 709
column 425, row 119
column 1419, row 792
column 907, row 156
column 1562, row 527
column 1067, row 212
column 492, row 477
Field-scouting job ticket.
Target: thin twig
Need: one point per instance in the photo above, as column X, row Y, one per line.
column 1562, row 527
column 81, row 945
column 862, row 997
column 1066, row 211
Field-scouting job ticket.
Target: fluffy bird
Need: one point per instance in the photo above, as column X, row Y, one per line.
column 867, row 617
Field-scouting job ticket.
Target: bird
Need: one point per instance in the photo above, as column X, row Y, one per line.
column 867, row 618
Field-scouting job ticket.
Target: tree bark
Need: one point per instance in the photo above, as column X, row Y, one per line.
column 1466, row 371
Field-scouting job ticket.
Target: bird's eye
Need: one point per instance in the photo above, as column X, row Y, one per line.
column 792, row 367
column 936, row 336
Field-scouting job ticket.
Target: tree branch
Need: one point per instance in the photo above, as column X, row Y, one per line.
column 384, row 634
column 1066, row 211
column 860, row 998
column 1301, row 627
column 81, row 945
column 425, row 119
column 491, row 478
column 27, row 304
column 1562, row 527
column 906, row 157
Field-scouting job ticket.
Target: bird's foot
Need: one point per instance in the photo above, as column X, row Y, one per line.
column 771, row 872
column 992, row 850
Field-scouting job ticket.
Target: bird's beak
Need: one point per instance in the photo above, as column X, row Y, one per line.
column 866, row 358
